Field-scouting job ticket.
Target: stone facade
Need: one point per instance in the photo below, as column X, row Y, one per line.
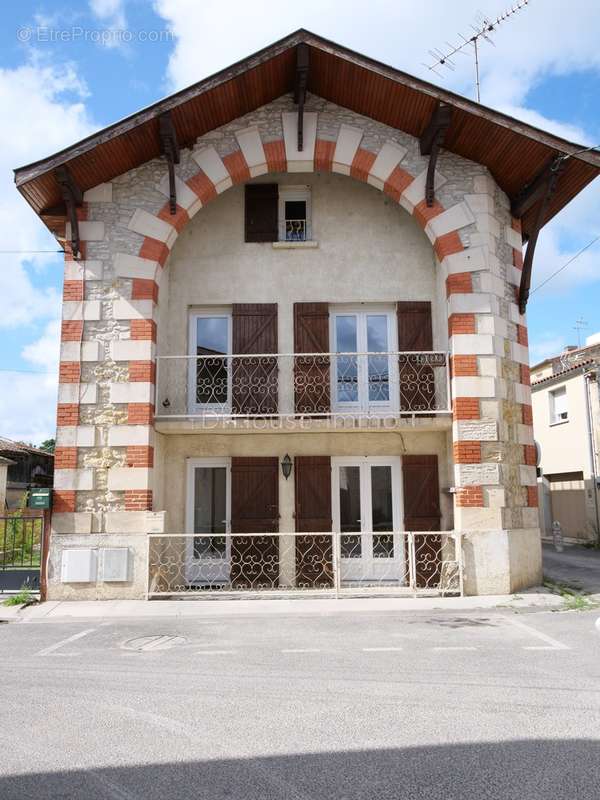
column 104, row 476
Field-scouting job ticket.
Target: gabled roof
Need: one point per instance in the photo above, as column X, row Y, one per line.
column 514, row 152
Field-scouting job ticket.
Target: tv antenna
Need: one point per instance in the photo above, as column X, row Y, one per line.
column 482, row 29
column 580, row 324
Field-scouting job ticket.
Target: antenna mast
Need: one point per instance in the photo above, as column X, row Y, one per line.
column 483, row 28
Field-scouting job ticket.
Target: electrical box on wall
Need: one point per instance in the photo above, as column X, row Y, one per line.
column 79, row 565
column 114, row 564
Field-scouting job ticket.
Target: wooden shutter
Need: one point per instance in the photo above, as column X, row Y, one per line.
column 314, row 554
column 415, row 333
column 312, row 388
column 254, row 509
column 261, row 210
column 422, row 513
column 254, row 380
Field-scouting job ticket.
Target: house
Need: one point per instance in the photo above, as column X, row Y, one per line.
column 294, row 349
column 26, row 468
column 566, row 422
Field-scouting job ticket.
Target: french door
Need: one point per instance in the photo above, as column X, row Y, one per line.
column 208, row 553
column 209, row 373
column 366, row 495
column 365, row 374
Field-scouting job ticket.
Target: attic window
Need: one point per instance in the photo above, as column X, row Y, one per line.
column 294, row 214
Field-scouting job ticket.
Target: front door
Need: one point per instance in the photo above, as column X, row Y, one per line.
column 208, row 552
column 366, row 514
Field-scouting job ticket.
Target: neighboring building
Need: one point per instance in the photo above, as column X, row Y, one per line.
column 566, row 420
column 29, row 468
column 286, row 319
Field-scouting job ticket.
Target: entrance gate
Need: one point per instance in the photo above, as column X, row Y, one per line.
column 21, row 551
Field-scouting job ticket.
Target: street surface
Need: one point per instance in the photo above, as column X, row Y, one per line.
column 374, row 704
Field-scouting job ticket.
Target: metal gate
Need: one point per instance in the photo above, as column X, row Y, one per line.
column 21, row 551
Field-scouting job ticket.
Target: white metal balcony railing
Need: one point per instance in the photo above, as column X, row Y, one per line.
column 321, row 385
column 295, row 230
column 390, row 562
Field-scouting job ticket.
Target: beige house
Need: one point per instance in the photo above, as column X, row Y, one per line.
column 566, row 419
column 294, row 349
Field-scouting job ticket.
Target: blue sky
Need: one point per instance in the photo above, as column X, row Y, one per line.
column 67, row 69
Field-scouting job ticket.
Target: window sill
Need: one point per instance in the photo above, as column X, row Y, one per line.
column 558, row 422
column 308, row 245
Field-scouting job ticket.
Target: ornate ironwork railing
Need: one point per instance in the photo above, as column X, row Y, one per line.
column 388, row 384
column 397, row 562
column 295, row 230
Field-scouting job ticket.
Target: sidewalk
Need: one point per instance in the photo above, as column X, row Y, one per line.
column 54, row 611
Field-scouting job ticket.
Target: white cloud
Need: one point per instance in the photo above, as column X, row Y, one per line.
column 53, row 116
column 546, row 345
column 111, row 12
column 45, row 104
column 28, row 410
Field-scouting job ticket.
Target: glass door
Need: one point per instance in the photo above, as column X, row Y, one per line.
column 361, row 381
column 367, row 514
column 208, row 514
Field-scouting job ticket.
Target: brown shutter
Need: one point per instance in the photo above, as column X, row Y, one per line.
column 422, row 513
column 254, row 509
column 314, row 554
column 254, row 380
column 261, row 209
column 311, row 374
column 415, row 333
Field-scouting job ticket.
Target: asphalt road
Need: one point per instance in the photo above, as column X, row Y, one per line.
column 415, row 705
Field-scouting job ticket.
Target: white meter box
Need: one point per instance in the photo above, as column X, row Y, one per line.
column 114, row 564
column 79, row 565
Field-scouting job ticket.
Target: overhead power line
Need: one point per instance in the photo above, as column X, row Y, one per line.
column 564, row 266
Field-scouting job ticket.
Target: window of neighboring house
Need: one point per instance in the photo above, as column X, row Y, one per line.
column 210, row 372
column 559, row 411
column 277, row 213
column 294, row 214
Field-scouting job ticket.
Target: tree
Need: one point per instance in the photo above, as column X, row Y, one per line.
column 48, row 445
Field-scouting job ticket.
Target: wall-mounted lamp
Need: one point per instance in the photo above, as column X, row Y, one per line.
column 286, row 466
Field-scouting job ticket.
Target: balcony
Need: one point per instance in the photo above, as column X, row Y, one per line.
column 263, row 391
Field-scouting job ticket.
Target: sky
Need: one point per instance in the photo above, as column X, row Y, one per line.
column 70, row 68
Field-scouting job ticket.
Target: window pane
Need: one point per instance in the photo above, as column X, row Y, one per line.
column 381, row 499
column 350, row 519
column 346, row 366
column 295, row 209
column 210, row 504
column 377, row 333
column 212, row 340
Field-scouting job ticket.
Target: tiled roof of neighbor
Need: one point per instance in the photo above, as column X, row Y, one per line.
column 9, row 446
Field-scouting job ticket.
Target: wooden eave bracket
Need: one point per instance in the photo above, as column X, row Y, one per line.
column 169, row 147
column 430, row 143
column 300, row 82
column 73, row 199
column 541, row 190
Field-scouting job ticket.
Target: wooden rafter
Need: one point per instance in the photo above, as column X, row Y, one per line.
column 73, row 199
column 532, row 192
column 300, row 82
column 549, row 187
column 169, row 147
column 430, row 142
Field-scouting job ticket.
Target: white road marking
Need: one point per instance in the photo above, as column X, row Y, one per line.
column 455, row 647
column 301, row 650
column 550, row 643
column 381, row 649
column 47, row 650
